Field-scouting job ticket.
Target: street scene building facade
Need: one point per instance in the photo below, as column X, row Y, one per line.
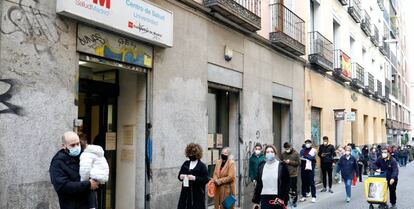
column 143, row 79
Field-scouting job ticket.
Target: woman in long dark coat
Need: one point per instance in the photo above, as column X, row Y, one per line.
column 194, row 177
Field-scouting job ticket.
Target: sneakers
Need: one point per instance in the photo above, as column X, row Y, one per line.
column 308, row 194
column 348, row 199
column 303, row 199
column 330, row 191
column 393, row 207
column 323, row 190
column 313, row 199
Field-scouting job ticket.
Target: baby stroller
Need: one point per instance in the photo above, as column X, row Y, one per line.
column 376, row 187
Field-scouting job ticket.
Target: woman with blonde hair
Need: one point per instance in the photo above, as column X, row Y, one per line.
column 194, row 177
column 224, row 178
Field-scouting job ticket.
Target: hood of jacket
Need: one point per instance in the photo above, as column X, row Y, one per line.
column 94, row 149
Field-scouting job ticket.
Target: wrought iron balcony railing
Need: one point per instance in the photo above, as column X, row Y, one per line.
column 375, row 36
column 342, row 65
column 320, row 51
column 343, row 2
column 357, row 75
column 246, row 13
column 381, row 4
column 366, row 23
column 378, row 91
column 288, row 29
column 369, row 83
column 354, row 10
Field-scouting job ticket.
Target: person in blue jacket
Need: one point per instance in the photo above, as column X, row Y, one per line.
column 389, row 165
column 64, row 175
column 347, row 165
column 307, row 170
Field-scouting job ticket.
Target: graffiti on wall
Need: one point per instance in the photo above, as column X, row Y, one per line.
column 38, row 28
column 13, row 87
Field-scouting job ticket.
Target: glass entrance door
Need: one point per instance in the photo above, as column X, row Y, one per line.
column 97, row 102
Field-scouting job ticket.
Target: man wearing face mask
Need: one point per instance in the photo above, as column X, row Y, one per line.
column 389, row 165
column 64, row 175
column 326, row 154
column 347, row 165
column 308, row 161
column 254, row 162
column 291, row 158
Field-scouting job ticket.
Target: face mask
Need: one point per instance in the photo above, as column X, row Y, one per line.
column 325, row 143
column 270, row 156
column 75, row 151
column 224, row 157
column 373, row 150
column 192, row 158
column 347, row 152
column 288, row 150
column 384, row 155
column 257, row 152
column 308, row 145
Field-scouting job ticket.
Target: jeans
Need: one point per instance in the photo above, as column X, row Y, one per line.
column 308, row 182
column 348, row 183
column 403, row 161
column 326, row 169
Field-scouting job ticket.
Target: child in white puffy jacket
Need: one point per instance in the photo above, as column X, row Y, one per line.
column 93, row 165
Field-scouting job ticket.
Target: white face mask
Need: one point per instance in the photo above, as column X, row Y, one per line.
column 257, row 152
column 288, row 150
column 325, row 143
column 308, row 145
column 373, row 150
column 384, row 155
column 347, row 152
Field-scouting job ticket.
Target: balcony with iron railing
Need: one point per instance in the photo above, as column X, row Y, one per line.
column 369, row 84
column 288, row 30
column 320, row 51
column 366, row 23
column 381, row 4
column 355, row 11
column 357, row 76
column 385, row 48
column 375, row 36
column 245, row 13
column 378, row 91
column 387, row 90
column 342, row 66
column 343, row 2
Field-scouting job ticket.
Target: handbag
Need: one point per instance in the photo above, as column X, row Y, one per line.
column 229, row 201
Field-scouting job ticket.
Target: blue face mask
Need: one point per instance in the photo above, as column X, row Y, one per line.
column 75, row 151
column 270, row 156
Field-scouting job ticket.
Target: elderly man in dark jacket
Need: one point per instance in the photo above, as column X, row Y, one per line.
column 389, row 165
column 64, row 175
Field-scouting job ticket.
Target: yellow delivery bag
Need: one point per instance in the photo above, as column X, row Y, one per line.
column 376, row 189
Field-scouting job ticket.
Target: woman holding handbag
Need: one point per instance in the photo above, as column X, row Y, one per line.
column 194, row 177
column 224, row 178
column 272, row 189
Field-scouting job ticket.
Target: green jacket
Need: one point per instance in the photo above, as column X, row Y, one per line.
column 254, row 162
column 294, row 163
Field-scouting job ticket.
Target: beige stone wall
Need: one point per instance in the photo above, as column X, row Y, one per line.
column 328, row 95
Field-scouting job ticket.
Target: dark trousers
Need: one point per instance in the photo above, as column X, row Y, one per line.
column 308, row 182
column 360, row 166
column 294, row 189
column 326, row 169
column 393, row 195
column 93, row 199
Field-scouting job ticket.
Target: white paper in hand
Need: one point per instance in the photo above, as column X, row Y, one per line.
column 186, row 182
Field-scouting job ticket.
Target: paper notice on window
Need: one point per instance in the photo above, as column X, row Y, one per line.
column 210, row 140
column 127, row 155
column 219, row 141
column 128, row 135
column 110, row 141
column 208, row 157
column 215, row 155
